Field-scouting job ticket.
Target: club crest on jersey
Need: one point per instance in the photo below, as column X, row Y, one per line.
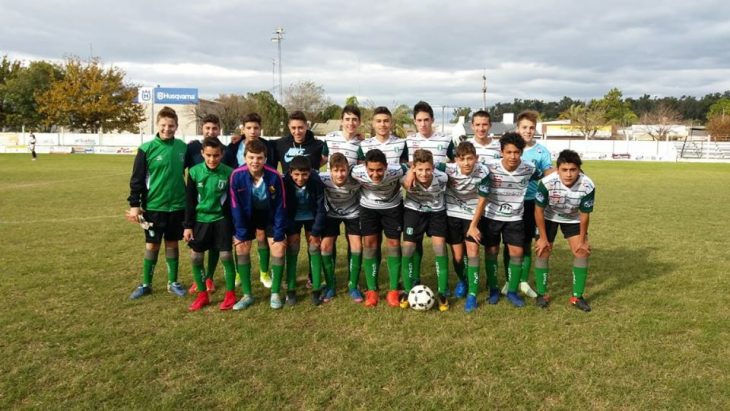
column 505, row 208
column 222, row 184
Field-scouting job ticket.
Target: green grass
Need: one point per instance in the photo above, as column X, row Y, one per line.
column 657, row 338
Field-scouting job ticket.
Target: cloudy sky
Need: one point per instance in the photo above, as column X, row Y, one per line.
column 391, row 52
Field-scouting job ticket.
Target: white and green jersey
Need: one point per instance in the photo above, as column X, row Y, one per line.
column 383, row 195
column 462, row 194
column 427, row 199
column 507, row 189
column 341, row 201
column 393, row 149
column 564, row 204
column 487, row 152
column 335, row 142
column 440, row 145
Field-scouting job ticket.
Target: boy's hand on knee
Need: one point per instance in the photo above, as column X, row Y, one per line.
column 584, row 248
column 474, row 233
column 542, row 246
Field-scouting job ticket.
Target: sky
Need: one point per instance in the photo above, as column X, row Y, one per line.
column 389, row 53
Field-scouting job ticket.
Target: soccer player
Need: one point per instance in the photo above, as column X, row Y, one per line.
column 342, row 195
column 207, row 220
column 465, row 177
column 425, row 213
column 257, row 202
column 346, row 141
column 381, row 210
column 564, row 199
column 236, row 157
column 157, row 200
column 305, row 209
column 393, row 147
column 194, row 156
column 487, row 148
column 31, row 145
column 503, row 206
column 539, row 156
column 299, row 142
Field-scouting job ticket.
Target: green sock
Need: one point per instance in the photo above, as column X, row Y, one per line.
column 229, row 273
column 526, row 263
column 198, row 276
column 264, row 257
column 329, row 270
column 370, row 269
column 515, row 273
column 244, row 270
column 172, row 265
column 355, row 263
column 315, row 264
column 442, row 273
column 417, row 258
column 580, row 274
column 212, row 263
column 393, row 267
column 541, row 278
column 407, row 272
column 490, row 262
column 277, row 269
column 472, row 275
column 291, row 269
column 148, row 270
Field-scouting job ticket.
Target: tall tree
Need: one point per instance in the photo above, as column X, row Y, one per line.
column 8, row 70
column 402, row 117
column 718, row 127
column 331, row 112
column 660, row 121
column 618, row 111
column 91, row 98
column 460, row 111
column 273, row 114
column 306, row 96
column 587, row 117
column 231, row 108
column 720, row 108
column 21, row 91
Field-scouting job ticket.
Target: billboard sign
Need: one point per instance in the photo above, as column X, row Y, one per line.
column 165, row 95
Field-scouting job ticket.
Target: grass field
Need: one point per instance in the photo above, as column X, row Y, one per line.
column 658, row 335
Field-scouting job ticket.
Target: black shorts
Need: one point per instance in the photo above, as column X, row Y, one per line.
column 389, row 220
column 260, row 220
column 332, row 226
column 456, row 232
column 416, row 223
column 164, row 224
column 568, row 229
column 511, row 232
column 211, row 236
column 528, row 219
column 295, row 227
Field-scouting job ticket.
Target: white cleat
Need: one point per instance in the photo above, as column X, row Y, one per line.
column 505, row 289
column 527, row 290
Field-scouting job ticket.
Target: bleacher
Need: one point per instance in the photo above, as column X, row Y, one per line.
column 703, row 150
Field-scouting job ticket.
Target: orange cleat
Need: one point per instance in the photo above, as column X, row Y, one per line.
column 228, row 301
column 200, row 301
column 393, row 298
column 371, row 298
column 210, row 285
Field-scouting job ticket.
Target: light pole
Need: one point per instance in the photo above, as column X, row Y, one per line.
column 278, row 37
column 484, row 91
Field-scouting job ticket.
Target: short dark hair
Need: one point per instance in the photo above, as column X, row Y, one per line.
column 382, row 110
column 569, row 156
column 212, row 118
column 167, row 112
column 375, row 156
column 351, row 109
column 297, row 115
column 256, row 147
column 251, row 118
column 481, row 113
column 338, row 160
column 464, row 148
column 212, row 142
column 512, row 138
column 422, row 156
column 422, row 106
column 300, row 163
column 530, row 115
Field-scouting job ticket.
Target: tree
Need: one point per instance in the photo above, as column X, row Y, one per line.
column 331, row 112
column 230, row 110
column 460, row 111
column 587, row 117
column 8, row 70
column 352, row 101
column 21, row 90
column 306, row 96
column 618, row 111
column 91, row 98
column 720, row 108
column 719, row 127
column 660, row 121
column 402, row 116
column 273, row 114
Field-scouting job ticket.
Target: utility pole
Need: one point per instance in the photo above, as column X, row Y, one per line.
column 278, row 37
column 484, row 90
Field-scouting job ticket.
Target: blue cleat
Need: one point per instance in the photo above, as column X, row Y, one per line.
column 177, row 289
column 460, row 289
column 515, row 299
column 243, row 303
column 356, row 295
column 471, row 303
column 140, row 291
column 328, row 295
column 493, row 296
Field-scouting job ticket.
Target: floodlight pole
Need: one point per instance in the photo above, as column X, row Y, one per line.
column 278, row 37
column 484, row 92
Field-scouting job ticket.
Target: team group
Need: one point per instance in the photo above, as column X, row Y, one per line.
column 479, row 192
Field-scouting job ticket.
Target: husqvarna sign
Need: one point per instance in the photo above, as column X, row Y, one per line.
column 162, row 95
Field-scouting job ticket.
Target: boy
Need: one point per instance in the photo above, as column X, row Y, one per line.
column 346, row 141
column 305, row 209
column 393, row 147
column 207, row 222
column 299, row 142
column 157, row 200
column 257, row 202
column 503, row 206
column 465, row 177
column 342, row 195
column 564, row 199
column 425, row 213
column 538, row 156
column 487, row 148
column 194, row 156
column 381, row 210
column 236, row 157
column 31, row 145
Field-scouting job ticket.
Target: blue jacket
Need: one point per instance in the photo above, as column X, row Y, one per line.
column 315, row 188
column 242, row 203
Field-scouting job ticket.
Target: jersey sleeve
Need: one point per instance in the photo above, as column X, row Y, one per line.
column 325, row 149
column 191, row 202
column 360, row 154
column 546, row 161
column 404, row 154
column 586, row 203
column 483, row 187
column 541, row 197
column 137, row 183
column 450, row 151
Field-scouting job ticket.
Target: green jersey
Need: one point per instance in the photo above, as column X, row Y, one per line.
column 564, row 204
column 158, row 176
column 207, row 194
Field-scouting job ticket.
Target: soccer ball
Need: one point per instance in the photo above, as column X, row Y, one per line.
column 421, row 298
